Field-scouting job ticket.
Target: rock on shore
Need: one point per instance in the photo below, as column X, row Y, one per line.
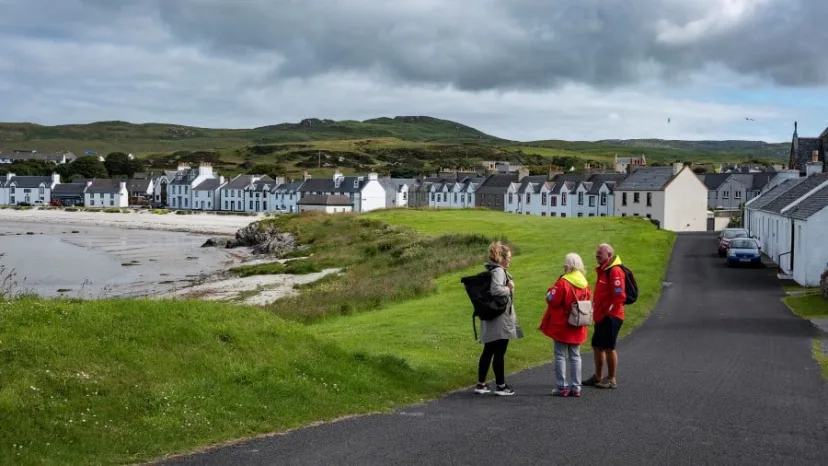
column 264, row 238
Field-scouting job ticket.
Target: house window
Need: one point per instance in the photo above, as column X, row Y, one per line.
column 528, row 198
column 405, row 196
column 603, row 199
column 623, row 198
column 497, row 201
column 603, row 215
column 553, row 214
column 580, row 198
column 455, row 198
column 563, row 215
column 91, row 201
column 251, row 205
column 563, row 200
column 553, row 201
column 592, row 215
column 649, row 216
column 726, row 195
column 111, row 202
column 738, row 194
column 511, row 198
column 264, row 205
column 225, row 205
column 636, row 198
column 592, row 201
column 624, row 215
column 543, row 214
column 462, row 198
column 649, row 199
column 580, row 214
column 543, row 199
column 42, row 190
column 439, row 197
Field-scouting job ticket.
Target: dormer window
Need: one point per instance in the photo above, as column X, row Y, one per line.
column 356, row 183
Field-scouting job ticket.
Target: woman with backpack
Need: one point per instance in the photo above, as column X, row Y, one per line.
column 570, row 288
column 495, row 334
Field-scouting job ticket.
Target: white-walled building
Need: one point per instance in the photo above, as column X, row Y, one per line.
column 32, row 190
column 775, row 218
column 330, row 204
column 809, row 253
column 284, row 198
column 674, row 196
column 366, row 193
column 257, row 194
column 101, row 193
column 397, row 191
column 180, row 190
column 452, row 195
column 206, row 193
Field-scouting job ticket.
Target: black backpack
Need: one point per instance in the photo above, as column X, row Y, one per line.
column 486, row 306
column 630, row 285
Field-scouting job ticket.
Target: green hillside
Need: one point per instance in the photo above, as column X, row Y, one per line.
column 399, row 146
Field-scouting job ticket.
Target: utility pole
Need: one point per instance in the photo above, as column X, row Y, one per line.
column 319, row 155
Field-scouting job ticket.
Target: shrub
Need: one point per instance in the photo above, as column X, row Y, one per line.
column 160, row 211
column 112, row 210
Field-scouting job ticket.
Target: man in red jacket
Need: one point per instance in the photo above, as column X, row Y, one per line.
column 608, row 313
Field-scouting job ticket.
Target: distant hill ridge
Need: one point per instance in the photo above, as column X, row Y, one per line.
column 423, row 129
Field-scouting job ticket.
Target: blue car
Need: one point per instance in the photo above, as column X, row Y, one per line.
column 743, row 251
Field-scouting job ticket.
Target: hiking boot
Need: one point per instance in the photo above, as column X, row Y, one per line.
column 591, row 381
column 560, row 392
column 606, row 383
column 504, row 390
column 482, row 389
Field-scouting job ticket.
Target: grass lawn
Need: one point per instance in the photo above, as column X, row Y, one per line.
column 129, row 380
column 808, row 306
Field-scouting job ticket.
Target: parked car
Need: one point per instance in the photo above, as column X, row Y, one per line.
column 726, row 236
column 744, row 251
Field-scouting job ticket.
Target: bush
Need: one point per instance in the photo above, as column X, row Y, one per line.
column 112, row 210
column 71, row 209
column 160, row 211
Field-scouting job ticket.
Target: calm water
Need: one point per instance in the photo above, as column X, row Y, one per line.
column 99, row 262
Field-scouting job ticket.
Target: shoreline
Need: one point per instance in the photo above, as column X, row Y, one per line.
column 197, row 223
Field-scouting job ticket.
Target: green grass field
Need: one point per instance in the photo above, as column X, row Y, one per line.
column 808, row 306
column 130, row 380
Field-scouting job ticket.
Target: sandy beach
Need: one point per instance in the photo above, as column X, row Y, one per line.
column 201, row 223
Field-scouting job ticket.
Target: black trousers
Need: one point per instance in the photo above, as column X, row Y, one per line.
column 493, row 353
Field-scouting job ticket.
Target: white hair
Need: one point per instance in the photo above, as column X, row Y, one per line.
column 574, row 262
column 606, row 248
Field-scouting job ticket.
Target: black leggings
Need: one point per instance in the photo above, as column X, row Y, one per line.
column 494, row 349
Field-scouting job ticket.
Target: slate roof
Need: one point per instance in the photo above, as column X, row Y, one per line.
column 3, row 180
column 239, row 182
column 69, row 189
column 714, row 180
column 263, row 185
column 57, row 157
column 30, row 181
column 497, row 184
column 184, row 176
column 138, row 184
column 647, row 179
column 210, row 184
column 104, row 185
column 760, row 180
column 326, row 200
column 769, row 196
column 810, row 205
column 287, row 187
column 394, row 184
column 791, row 195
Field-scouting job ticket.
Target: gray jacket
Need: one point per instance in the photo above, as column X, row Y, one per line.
column 505, row 327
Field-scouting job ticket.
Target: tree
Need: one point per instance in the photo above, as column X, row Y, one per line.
column 270, row 170
column 117, row 164
column 88, row 166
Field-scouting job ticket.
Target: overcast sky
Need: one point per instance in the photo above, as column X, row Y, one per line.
column 518, row 69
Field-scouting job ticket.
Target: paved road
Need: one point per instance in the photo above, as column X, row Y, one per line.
column 721, row 373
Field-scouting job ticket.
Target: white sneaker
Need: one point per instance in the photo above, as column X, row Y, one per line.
column 482, row 389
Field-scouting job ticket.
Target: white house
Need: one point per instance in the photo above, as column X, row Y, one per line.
column 774, row 217
column 366, row 192
column 327, row 203
column 32, row 190
column 809, row 251
column 284, row 198
column 106, row 193
column 674, row 196
column 257, row 194
column 205, row 194
column 452, row 195
column 4, row 190
column 180, row 189
column 397, row 191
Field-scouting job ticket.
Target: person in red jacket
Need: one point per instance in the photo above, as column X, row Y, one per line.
column 608, row 314
column 571, row 286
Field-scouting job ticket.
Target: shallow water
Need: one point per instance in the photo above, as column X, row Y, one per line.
column 95, row 262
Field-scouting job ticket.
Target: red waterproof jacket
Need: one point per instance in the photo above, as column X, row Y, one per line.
column 609, row 291
column 559, row 301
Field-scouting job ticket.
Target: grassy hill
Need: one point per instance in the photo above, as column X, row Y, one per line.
column 403, row 146
column 125, row 381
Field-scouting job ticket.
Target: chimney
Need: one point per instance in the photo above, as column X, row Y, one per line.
column 305, row 175
column 183, row 166
column 10, row 175
column 123, row 186
column 205, row 169
column 221, row 179
column 55, row 179
column 677, row 168
column 814, row 168
column 372, row 177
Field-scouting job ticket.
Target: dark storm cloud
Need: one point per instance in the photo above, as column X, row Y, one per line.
column 476, row 44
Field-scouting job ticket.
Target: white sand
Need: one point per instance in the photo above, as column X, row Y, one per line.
column 203, row 223
column 257, row 290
